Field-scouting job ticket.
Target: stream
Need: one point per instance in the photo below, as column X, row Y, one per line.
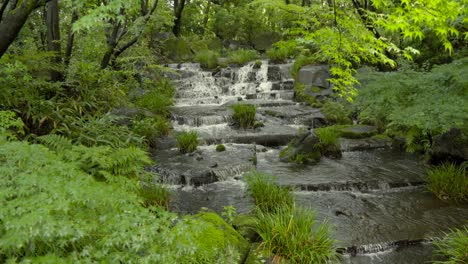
column 374, row 197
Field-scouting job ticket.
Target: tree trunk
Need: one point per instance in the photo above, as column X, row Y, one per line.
column 206, row 16
column 53, row 37
column 13, row 19
column 178, row 10
column 71, row 35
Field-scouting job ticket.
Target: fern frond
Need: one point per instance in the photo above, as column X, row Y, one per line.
column 55, row 142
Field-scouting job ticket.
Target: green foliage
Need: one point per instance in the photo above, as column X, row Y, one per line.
column 268, row 196
column 244, row 115
column 328, row 136
column 449, row 181
column 295, row 235
column 11, row 125
column 67, row 216
column 220, row 148
column 404, row 101
column 242, row 56
column 258, row 64
column 281, row 52
column 100, row 131
column 156, row 102
column 336, row 113
column 208, row 59
column 187, row 141
column 153, row 195
column 151, row 128
column 229, row 213
column 453, row 247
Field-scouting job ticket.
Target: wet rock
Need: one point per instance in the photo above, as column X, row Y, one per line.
column 365, row 143
column 250, row 96
column 450, row 146
column 315, row 76
column 357, row 131
column 274, row 73
column 304, row 148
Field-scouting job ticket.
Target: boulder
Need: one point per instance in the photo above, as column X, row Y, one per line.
column 357, row 131
column 303, row 149
column 314, row 76
column 450, row 146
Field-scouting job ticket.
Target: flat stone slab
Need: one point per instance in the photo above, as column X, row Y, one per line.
column 364, row 144
column 205, row 165
column 358, row 171
column 378, row 218
column 270, row 135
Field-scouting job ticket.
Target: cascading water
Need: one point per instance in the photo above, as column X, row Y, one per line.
column 374, row 197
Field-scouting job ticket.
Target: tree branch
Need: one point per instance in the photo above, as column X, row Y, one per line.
column 3, row 8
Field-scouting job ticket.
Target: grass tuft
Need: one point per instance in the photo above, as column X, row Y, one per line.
column 208, row 59
column 244, row 115
column 268, row 196
column 454, row 247
column 242, row 56
column 294, row 234
column 449, row 181
column 187, row 141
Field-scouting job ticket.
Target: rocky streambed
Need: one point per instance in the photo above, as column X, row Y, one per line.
column 373, row 196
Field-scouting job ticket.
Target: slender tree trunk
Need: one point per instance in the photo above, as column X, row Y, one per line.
column 12, row 19
column 178, row 16
column 53, row 37
column 70, row 36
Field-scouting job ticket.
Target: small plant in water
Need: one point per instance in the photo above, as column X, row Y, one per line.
column 187, row 141
column 220, row 148
column 244, row 115
column 449, row 181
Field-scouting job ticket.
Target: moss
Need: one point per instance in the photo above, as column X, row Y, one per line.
column 220, row 148
column 219, row 233
column 257, row 255
column 382, row 137
column 257, row 64
column 245, row 225
column 258, row 124
column 356, row 131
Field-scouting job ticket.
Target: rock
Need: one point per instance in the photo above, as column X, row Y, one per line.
column 357, row 131
column 303, row 149
column 450, row 146
column 214, row 237
column 274, row 73
column 314, row 76
column 250, row 96
column 245, row 225
column 198, row 178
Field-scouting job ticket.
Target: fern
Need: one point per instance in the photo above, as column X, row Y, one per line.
column 55, row 142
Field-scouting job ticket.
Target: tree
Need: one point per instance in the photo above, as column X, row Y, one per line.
column 178, row 11
column 13, row 16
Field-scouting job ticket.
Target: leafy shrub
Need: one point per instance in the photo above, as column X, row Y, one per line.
column 100, row 131
column 156, row 102
column 244, row 115
column 11, row 125
column 268, row 196
column 336, row 113
column 242, row 56
column 281, row 51
column 300, row 62
column 449, row 181
column 67, row 216
column 454, row 247
column 151, row 128
column 295, row 235
column 187, row 141
column 208, row 59
column 400, row 101
column 220, row 148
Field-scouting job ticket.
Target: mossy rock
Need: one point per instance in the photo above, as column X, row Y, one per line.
column 245, row 224
column 257, row 255
column 258, row 124
column 220, row 148
column 357, row 131
column 213, row 238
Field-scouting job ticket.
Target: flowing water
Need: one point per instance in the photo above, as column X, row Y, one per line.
column 375, row 198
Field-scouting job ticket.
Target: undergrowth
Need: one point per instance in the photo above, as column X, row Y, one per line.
column 449, row 181
column 244, row 115
column 187, row 141
column 453, row 248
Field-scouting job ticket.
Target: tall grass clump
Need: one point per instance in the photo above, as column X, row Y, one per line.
column 268, row 196
column 449, row 181
column 154, row 195
column 187, row 141
column 208, row 59
column 295, row 235
column 454, row 247
column 242, row 56
column 244, row 115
